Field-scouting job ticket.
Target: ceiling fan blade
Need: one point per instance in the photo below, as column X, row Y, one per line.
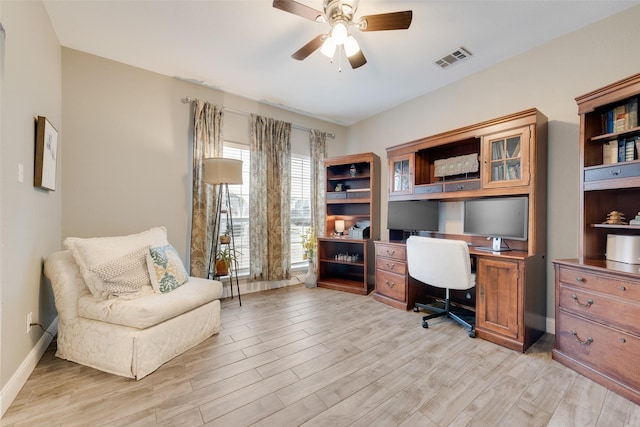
column 357, row 60
column 299, row 9
column 309, row 48
column 386, row 21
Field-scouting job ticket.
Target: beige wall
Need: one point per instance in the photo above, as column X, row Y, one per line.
column 30, row 217
column 548, row 78
column 127, row 162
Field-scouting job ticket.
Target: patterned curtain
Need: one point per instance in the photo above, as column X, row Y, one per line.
column 318, row 150
column 270, row 195
column 207, row 142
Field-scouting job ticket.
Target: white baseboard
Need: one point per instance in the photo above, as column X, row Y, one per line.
column 17, row 380
column 551, row 326
column 247, row 287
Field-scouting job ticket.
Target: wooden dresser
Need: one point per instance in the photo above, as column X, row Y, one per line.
column 598, row 322
column 598, row 300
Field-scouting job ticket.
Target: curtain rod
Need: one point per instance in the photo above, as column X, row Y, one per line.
column 189, row 100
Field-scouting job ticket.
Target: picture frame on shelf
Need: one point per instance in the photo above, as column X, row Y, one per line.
column 46, row 155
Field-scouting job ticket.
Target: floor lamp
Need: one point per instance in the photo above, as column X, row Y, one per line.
column 222, row 172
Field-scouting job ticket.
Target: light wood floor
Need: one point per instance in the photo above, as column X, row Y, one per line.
column 316, row 357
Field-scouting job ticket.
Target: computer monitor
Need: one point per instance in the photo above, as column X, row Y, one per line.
column 412, row 215
column 498, row 218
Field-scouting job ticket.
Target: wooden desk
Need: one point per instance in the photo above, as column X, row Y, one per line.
column 510, row 293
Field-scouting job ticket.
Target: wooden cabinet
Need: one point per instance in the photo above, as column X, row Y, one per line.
column 345, row 262
column 401, row 170
column 391, row 275
column 506, row 158
column 598, row 323
column 498, row 291
column 597, row 300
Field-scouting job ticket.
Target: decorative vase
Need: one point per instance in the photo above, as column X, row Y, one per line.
column 311, row 280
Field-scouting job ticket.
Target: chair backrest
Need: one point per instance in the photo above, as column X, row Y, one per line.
column 442, row 263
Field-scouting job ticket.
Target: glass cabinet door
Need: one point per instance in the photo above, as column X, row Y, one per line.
column 401, row 174
column 506, row 159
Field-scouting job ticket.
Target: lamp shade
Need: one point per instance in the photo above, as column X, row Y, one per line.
column 218, row 170
column 339, row 225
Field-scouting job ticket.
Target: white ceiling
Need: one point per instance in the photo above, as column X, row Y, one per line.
column 244, row 47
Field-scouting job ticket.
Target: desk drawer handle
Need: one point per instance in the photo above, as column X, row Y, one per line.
column 622, row 288
column 391, row 266
column 574, row 297
column 580, row 279
column 588, row 341
column 614, row 172
column 391, row 252
column 460, row 186
column 622, row 340
column 391, row 285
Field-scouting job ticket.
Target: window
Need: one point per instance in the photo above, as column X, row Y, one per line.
column 239, row 196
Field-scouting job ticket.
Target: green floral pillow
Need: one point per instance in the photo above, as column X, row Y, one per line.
column 165, row 269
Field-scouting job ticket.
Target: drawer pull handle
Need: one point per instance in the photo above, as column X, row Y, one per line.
column 391, row 285
column 588, row 341
column 579, row 279
column 622, row 288
column 614, row 172
column 391, row 266
column 391, row 252
column 460, row 186
column 622, row 339
column 587, row 304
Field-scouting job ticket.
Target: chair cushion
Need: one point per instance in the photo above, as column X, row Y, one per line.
column 127, row 274
column 94, row 252
column 151, row 309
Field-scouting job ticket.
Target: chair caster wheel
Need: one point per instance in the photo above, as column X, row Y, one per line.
column 472, row 334
column 416, row 310
column 425, row 324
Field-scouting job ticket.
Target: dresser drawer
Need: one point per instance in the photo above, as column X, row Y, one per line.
column 606, row 350
column 617, row 312
column 398, row 252
column 391, row 265
column 600, row 282
column 391, row 285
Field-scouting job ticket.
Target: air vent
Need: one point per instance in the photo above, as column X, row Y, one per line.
column 453, row 58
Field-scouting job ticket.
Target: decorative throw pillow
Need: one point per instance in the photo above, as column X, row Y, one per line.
column 165, row 268
column 127, row 274
column 91, row 252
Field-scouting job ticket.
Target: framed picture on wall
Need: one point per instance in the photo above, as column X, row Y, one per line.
column 46, row 155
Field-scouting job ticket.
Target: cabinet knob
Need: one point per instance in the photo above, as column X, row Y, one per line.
column 391, row 285
column 588, row 341
column 622, row 340
column 574, row 297
column 622, row 288
column 580, row 279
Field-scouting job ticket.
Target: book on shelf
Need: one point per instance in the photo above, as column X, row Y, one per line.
column 629, row 149
column 621, row 117
column 637, row 147
column 622, row 153
column 610, row 152
column 632, row 111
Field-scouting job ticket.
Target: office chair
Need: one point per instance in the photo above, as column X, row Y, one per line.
column 444, row 264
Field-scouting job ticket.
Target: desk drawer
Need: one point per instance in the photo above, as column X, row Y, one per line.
column 604, row 283
column 398, row 252
column 391, row 265
column 622, row 170
column 462, row 186
column 612, row 311
column 391, row 285
column 606, row 350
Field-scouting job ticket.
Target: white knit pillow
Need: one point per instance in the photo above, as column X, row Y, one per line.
column 126, row 274
column 92, row 252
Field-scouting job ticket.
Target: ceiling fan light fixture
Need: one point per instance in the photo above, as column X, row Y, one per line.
column 351, row 46
column 339, row 33
column 328, row 47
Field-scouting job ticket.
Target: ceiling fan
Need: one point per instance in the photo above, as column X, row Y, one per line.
column 339, row 15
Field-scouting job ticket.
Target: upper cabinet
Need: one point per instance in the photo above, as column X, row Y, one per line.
column 503, row 156
column 401, row 174
column 506, row 158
